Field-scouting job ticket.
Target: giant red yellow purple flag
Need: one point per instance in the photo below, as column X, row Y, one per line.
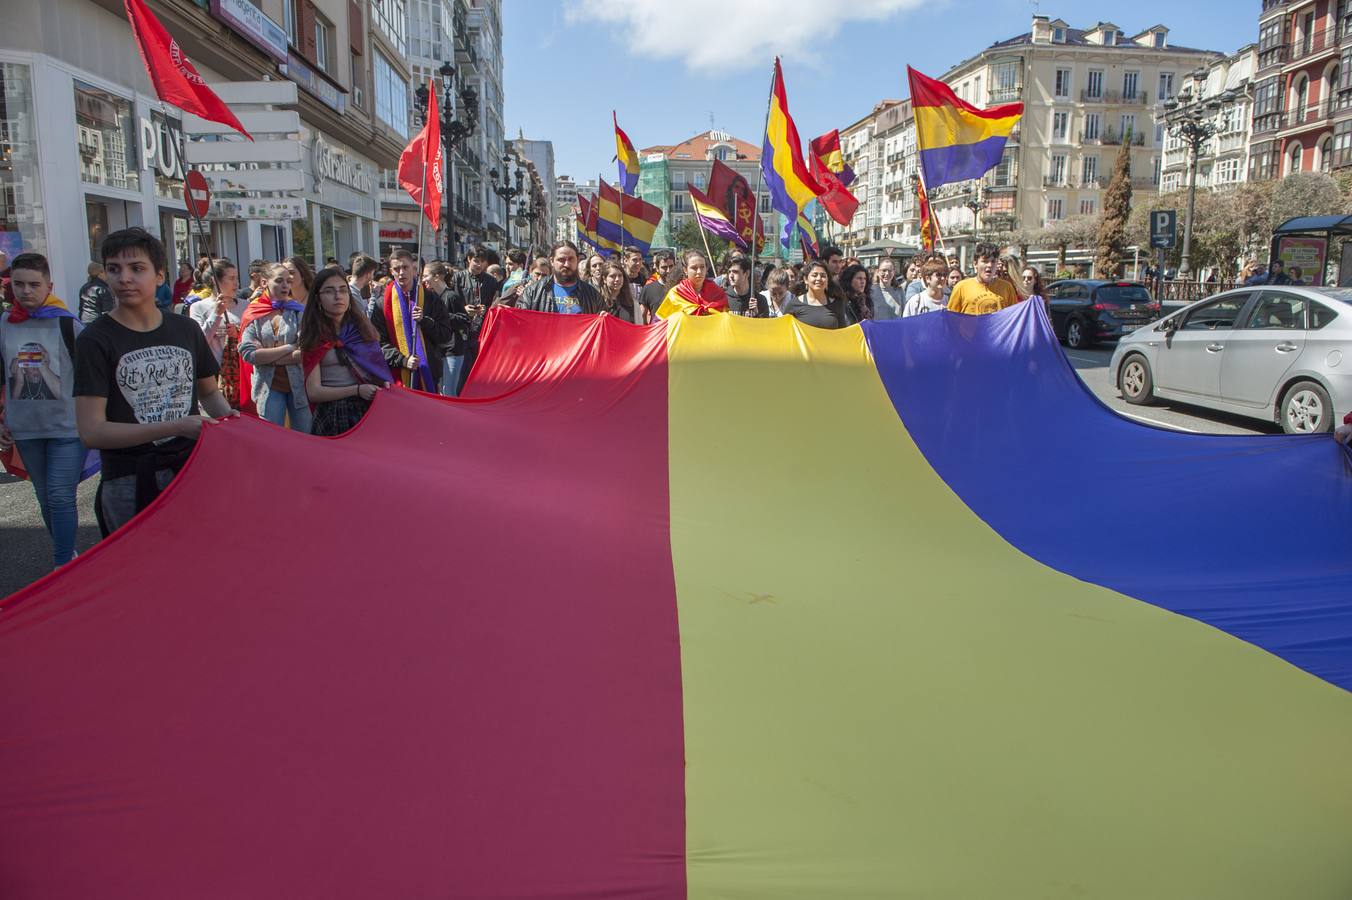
column 174, row 77
column 673, row 666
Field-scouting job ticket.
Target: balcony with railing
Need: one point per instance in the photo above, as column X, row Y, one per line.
column 1114, row 138
column 1009, row 94
column 1117, row 98
column 1314, row 114
column 1315, row 43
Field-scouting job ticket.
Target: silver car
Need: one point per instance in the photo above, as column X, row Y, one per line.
column 1281, row 354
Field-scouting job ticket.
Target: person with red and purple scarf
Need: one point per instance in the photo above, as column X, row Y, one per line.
column 341, row 356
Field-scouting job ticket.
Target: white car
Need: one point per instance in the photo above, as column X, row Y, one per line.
column 1281, row 354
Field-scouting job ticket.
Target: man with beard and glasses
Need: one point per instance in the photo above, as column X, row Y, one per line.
column 563, row 291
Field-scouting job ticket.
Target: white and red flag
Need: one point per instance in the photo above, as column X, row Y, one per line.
column 175, row 79
column 420, row 163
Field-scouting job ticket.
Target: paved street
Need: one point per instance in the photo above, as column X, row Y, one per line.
column 26, row 550
column 1092, row 366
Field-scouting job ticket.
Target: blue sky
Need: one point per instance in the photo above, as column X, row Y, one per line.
column 666, row 66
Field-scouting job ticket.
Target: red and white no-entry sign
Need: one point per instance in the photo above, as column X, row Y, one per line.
column 196, row 193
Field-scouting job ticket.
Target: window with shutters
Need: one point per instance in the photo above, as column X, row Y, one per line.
column 324, row 49
column 1062, row 84
column 1093, row 86
column 292, row 21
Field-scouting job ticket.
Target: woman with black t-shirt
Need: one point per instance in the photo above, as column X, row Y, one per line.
column 822, row 303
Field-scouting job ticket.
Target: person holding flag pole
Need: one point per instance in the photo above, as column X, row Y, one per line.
column 409, row 323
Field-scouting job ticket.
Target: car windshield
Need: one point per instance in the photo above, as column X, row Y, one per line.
column 1122, row 295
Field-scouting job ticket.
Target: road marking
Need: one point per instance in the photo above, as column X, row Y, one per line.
column 1150, row 421
column 1088, row 359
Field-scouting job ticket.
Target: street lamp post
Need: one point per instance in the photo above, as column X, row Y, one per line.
column 976, row 203
column 457, row 123
column 504, row 189
column 1191, row 119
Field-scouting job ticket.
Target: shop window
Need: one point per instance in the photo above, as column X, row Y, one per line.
column 106, row 135
column 21, row 211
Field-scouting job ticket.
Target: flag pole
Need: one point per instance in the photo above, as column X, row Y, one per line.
column 760, row 173
column 709, row 254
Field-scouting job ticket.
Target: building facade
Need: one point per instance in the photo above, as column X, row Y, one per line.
column 455, row 42
column 666, row 171
column 540, row 154
column 1302, row 107
column 1085, row 92
column 1223, row 161
column 92, row 150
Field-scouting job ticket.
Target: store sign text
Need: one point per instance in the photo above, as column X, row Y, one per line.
column 338, row 165
column 161, row 145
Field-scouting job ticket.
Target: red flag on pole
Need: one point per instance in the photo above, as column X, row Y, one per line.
column 175, row 79
column 420, row 163
column 830, row 170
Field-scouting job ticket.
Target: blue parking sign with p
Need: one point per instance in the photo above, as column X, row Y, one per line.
column 1163, row 228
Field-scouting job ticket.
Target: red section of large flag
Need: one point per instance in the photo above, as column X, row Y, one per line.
column 368, row 714
column 175, row 78
column 840, row 204
column 732, row 194
column 421, row 163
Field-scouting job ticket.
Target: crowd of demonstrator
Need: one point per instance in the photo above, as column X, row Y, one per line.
column 137, row 368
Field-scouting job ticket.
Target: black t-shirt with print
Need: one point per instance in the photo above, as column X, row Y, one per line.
column 146, row 376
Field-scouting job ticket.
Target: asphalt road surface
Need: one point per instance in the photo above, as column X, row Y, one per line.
column 26, row 552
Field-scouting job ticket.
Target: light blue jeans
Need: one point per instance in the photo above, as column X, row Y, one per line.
column 279, row 404
column 450, row 375
column 54, row 466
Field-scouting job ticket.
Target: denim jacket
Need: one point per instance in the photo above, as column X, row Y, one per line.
column 259, row 336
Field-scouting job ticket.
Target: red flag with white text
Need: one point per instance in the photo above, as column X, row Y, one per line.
column 420, row 163
column 175, row 78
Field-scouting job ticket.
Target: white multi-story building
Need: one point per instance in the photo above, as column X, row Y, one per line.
column 1223, row 160
column 1084, row 91
column 541, row 156
column 466, row 36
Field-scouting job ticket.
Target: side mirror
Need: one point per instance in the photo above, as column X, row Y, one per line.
column 1169, row 326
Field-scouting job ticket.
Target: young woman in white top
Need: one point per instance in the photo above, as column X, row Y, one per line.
column 935, row 276
column 218, row 315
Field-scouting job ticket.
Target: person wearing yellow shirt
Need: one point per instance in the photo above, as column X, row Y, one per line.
column 986, row 292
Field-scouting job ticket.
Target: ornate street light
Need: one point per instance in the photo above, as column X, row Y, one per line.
column 458, row 122
column 1192, row 119
column 976, row 203
column 505, row 188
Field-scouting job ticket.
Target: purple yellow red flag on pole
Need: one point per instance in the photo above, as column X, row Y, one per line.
column 712, row 219
column 787, row 177
column 627, row 158
column 957, row 141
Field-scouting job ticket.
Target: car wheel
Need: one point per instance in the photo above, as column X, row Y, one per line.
column 1135, row 382
column 1077, row 338
column 1306, row 409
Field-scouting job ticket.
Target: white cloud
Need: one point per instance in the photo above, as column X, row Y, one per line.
column 729, row 34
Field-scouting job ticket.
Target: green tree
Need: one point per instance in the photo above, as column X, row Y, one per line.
column 1305, row 194
column 1062, row 234
column 687, row 236
column 1112, row 230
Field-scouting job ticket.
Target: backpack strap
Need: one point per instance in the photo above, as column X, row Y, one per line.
column 68, row 336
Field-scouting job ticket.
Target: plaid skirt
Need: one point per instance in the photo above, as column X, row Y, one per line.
column 334, row 417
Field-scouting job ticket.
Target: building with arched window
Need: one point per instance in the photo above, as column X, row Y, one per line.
column 1302, row 118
